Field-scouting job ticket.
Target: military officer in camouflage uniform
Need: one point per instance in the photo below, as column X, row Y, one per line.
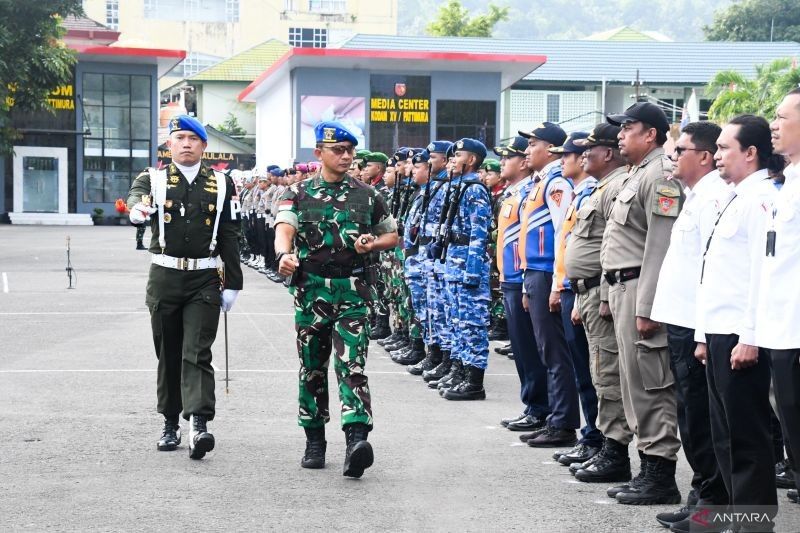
column 326, row 229
column 498, row 330
column 195, row 222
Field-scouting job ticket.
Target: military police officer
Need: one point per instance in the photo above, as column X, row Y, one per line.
column 195, row 231
column 325, row 228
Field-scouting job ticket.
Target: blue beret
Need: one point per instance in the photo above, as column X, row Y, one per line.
column 548, row 132
column 333, row 132
column 391, row 162
column 187, row 123
column 403, row 153
column 272, row 167
column 275, row 171
column 422, row 157
column 471, row 145
column 439, row 147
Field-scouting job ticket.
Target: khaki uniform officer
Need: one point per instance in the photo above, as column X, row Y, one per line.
column 195, row 226
column 634, row 244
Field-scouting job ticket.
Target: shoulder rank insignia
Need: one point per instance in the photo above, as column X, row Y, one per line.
column 174, row 180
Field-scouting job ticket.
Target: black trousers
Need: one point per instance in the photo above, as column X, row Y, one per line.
column 261, row 236
column 740, row 424
column 691, row 389
column 269, row 246
column 786, row 381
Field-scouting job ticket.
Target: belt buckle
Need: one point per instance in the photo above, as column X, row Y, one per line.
column 182, row 263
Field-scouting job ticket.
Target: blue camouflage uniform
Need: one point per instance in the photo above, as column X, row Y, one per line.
column 467, row 272
column 439, row 329
column 417, row 264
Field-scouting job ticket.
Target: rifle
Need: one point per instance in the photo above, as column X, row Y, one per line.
column 423, row 209
column 452, row 211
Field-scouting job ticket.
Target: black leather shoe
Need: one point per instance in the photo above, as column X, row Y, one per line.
column 658, row 486
column 529, row 423
column 401, row 344
column 611, row 465
column 687, row 525
column 673, row 517
column 553, row 437
column 170, row 435
column 499, row 331
column 394, row 337
column 792, row 495
column 506, row 421
column 200, row 440
column 359, row 455
column 784, row 478
column 430, row 362
column 140, row 246
column 471, row 388
column 579, row 454
column 503, row 350
column 439, row 371
column 314, row 456
column 382, row 329
column 525, row 437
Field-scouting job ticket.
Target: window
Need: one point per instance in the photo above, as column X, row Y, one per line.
column 193, row 64
column 338, row 7
column 112, row 14
column 456, row 119
column 553, row 102
column 308, row 37
column 193, row 10
column 118, row 112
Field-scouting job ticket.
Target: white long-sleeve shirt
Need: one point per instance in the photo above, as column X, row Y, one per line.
column 675, row 301
column 733, row 256
column 776, row 291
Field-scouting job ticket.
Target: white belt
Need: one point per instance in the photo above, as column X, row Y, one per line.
column 183, row 263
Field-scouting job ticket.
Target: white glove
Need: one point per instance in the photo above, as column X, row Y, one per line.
column 140, row 213
column 228, row 297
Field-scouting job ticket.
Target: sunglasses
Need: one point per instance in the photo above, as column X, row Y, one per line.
column 680, row 149
column 340, row 150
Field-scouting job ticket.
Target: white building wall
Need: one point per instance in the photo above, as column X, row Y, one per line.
column 574, row 110
column 274, row 130
column 216, row 100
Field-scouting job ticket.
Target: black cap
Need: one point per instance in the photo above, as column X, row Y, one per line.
column 604, row 134
column 570, row 146
column 547, row 131
column 642, row 112
column 515, row 146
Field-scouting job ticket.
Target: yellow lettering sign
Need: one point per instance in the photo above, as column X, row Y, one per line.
column 411, row 110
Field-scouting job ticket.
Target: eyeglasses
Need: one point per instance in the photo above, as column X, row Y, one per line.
column 340, row 150
column 680, row 149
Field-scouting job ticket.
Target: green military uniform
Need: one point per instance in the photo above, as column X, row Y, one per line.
column 185, row 304
column 331, row 291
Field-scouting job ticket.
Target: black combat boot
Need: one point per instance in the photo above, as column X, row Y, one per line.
column 170, row 435
column 499, row 330
column 402, row 342
column 453, row 378
column 359, row 455
column 658, row 487
column 314, row 456
column 394, row 337
column 439, row 371
column 635, row 482
column 200, row 440
column 381, row 330
column 433, row 358
column 415, row 355
column 611, row 465
column 140, row 245
column 579, row 454
column 471, row 388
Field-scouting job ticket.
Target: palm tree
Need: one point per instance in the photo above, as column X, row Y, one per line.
column 734, row 94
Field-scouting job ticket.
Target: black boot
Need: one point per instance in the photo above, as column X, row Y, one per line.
column 394, row 337
column 658, row 487
column 170, row 435
column 469, row 389
column 402, row 342
column 415, row 355
column 453, row 378
column 382, row 329
column 433, row 358
column 439, row 371
column 200, row 440
column 611, row 465
column 140, row 245
column 499, row 331
column 638, row 479
column 314, row 456
column 359, row 455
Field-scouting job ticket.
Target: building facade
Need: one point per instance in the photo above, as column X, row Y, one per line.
column 212, row 30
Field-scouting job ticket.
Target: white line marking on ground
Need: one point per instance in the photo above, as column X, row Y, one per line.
column 240, row 371
column 59, row 313
column 573, row 481
column 490, row 427
column 516, row 444
column 548, row 462
column 5, row 283
column 605, row 502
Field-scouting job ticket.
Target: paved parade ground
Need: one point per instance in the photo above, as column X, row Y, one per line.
column 79, row 426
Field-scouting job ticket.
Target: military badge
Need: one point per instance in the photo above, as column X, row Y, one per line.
column 556, row 196
column 329, row 135
column 174, row 180
column 174, row 124
column 431, row 147
column 208, row 222
column 665, row 204
column 167, row 218
column 211, row 207
column 459, row 145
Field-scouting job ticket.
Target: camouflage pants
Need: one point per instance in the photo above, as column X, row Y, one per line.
column 332, row 314
column 437, row 310
column 415, row 329
column 419, row 302
column 468, row 311
column 496, row 309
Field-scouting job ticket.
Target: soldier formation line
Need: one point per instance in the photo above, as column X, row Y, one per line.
column 651, row 293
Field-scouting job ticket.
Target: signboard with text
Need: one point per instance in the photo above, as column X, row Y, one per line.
column 399, row 111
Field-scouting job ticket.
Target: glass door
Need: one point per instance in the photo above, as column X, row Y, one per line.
column 40, row 184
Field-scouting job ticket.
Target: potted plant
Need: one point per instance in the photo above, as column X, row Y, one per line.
column 121, row 208
column 97, row 216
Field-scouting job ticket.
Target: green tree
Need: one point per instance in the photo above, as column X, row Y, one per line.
column 453, row 20
column 734, row 94
column 232, row 127
column 756, row 20
column 33, row 59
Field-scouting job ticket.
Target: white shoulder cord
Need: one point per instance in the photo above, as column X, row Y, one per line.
column 158, row 189
column 222, row 184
